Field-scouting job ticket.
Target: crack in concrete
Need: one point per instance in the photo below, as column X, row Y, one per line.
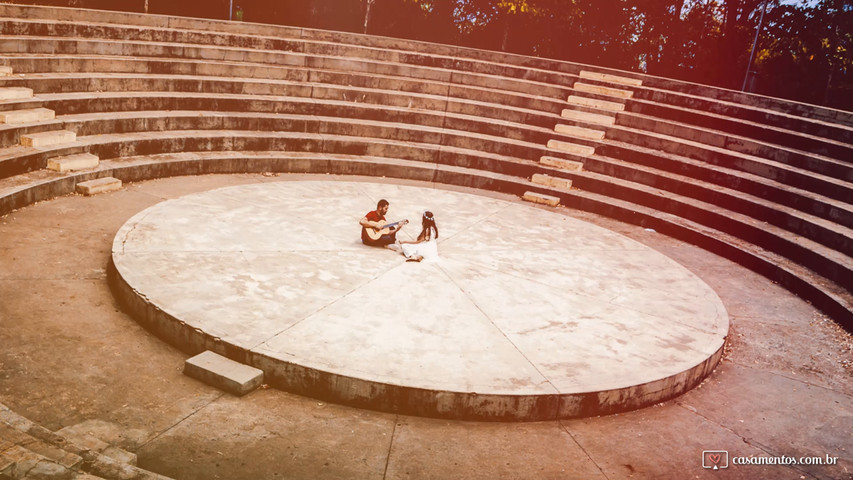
column 390, row 447
column 566, row 429
column 182, row 420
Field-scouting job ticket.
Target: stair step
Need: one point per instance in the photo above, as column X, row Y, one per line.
column 541, row 198
column 15, row 93
column 547, row 180
column 5, row 71
column 601, row 90
column 27, row 116
column 26, row 463
column 606, row 77
column 573, row 148
column 100, row 185
column 580, row 132
column 581, row 116
column 13, row 436
column 79, row 435
column 561, row 163
column 223, row 373
column 6, row 466
column 47, row 139
column 68, row 163
column 595, row 103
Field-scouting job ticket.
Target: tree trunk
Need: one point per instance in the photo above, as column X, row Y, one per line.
column 367, row 14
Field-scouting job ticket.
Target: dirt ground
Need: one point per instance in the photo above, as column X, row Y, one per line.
column 69, row 356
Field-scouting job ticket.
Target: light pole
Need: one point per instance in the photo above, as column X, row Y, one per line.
column 754, row 45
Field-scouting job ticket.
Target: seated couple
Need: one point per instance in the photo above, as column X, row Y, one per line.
column 377, row 232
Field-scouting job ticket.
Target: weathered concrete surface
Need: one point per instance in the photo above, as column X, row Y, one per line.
column 53, row 370
column 523, row 303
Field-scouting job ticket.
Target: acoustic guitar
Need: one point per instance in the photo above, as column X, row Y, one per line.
column 375, row 233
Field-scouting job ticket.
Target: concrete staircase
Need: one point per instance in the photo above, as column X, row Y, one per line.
column 762, row 181
column 29, row 451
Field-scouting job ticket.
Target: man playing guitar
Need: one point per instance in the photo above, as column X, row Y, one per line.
column 375, row 231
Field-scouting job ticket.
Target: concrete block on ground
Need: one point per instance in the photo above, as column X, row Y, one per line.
column 561, row 163
column 223, row 373
column 573, row 148
column 46, row 139
column 606, row 77
column 595, row 103
column 580, row 132
column 5, row 71
column 601, row 90
column 15, row 93
column 581, row 116
column 68, row 163
column 27, row 116
column 541, row 198
column 100, row 185
column 547, row 180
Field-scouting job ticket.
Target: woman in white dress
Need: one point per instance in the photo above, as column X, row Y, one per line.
column 425, row 247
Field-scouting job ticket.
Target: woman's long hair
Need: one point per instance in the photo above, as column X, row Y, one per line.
column 428, row 226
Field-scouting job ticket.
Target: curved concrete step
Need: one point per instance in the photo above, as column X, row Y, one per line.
column 718, row 94
column 823, row 293
column 795, row 177
column 700, row 171
column 811, row 203
column 833, row 124
column 796, row 158
column 140, row 121
column 828, row 263
column 308, row 83
column 816, row 258
column 399, row 126
column 825, row 232
column 841, row 150
column 53, row 455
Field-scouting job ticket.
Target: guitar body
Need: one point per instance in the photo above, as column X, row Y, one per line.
column 375, row 233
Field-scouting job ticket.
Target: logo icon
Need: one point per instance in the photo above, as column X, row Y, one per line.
column 715, row 459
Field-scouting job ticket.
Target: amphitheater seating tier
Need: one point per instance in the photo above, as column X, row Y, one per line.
column 765, row 182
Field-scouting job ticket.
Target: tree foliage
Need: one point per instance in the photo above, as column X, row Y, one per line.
column 804, row 50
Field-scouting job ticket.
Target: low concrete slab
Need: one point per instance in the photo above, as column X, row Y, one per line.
column 580, row 132
column 581, row 116
column 100, row 185
column 223, row 373
column 47, row 139
column 15, row 93
column 595, row 103
column 602, row 90
column 573, row 148
column 69, row 163
column 561, row 163
column 606, row 77
column 246, row 270
column 555, row 182
column 31, row 115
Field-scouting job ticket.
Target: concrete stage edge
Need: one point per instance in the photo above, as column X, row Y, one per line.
column 528, row 315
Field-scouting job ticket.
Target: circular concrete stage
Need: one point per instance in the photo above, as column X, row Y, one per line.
column 528, row 314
